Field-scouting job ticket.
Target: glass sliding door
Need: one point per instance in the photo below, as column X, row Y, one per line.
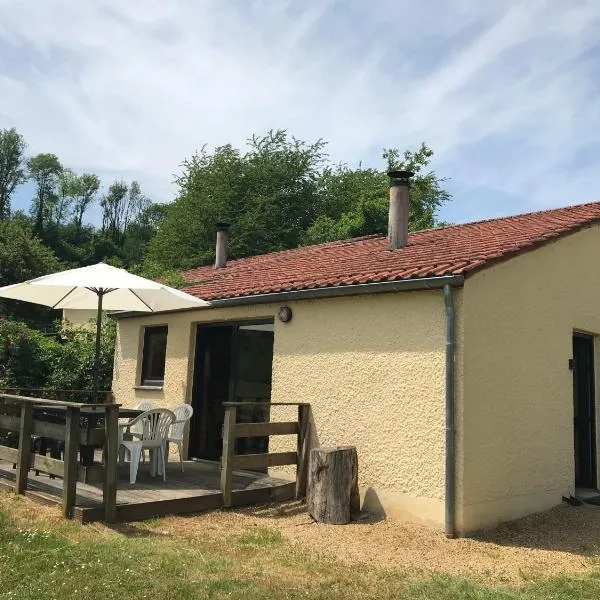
column 233, row 363
column 253, row 362
column 211, row 389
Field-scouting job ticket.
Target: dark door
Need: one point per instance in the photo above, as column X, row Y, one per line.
column 584, row 411
column 212, row 381
column 233, row 363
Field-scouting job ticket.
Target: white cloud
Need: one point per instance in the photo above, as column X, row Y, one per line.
column 504, row 93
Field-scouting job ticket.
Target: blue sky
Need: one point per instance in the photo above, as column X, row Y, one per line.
column 506, row 93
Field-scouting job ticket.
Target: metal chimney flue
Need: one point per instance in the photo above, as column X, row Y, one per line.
column 222, row 242
column 399, row 208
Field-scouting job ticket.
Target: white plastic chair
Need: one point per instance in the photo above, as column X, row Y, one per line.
column 183, row 413
column 136, row 430
column 155, row 430
column 145, row 405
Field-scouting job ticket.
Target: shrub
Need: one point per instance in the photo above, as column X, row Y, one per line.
column 31, row 359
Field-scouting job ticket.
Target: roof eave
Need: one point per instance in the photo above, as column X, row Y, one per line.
column 402, row 285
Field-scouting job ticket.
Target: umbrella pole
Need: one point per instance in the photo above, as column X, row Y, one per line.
column 98, row 334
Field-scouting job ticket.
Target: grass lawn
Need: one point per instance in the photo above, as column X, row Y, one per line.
column 220, row 556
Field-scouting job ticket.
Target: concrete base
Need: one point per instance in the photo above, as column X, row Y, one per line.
column 403, row 507
column 485, row 515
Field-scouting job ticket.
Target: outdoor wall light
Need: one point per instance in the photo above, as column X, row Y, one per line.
column 284, row 314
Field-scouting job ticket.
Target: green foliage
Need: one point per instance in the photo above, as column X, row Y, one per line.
column 62, row 197
column 23, row 256
column 12, row 172
column 152, row 270
column 26, row 356
column 45, row 170
column 75, row 356
column 31, row 359
column 141, row 230
column 84, row 191
column 120, row 205
column 269, row 194
column 280, row 193
column 356, row 201
column 60, row 206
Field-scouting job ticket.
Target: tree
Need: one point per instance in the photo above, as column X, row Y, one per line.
column 120, row 205
column 355, row 202
column 282, row 193
column 269, row 194
column 141, row 230
column 86, row 188
column 12, row 173
column 60, row 204
column 44, row 169
column 23, row 256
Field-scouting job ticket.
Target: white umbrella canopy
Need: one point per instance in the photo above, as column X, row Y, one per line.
column 100, row 287
column 80, row 288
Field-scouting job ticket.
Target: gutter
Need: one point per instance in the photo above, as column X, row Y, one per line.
column 403, row 285
column 450, row 466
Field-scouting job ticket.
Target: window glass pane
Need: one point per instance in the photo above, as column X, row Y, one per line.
column 154, row 355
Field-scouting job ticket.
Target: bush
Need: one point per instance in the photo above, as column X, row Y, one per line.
column 31, row 359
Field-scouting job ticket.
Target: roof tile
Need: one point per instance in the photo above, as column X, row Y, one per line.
column 452, row 250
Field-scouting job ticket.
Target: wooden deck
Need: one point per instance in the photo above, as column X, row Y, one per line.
column 195, row 490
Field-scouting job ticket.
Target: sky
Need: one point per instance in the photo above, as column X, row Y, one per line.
column 505, row 93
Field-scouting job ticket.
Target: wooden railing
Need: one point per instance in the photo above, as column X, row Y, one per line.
column 80, row 396
column 233, row 430
column 17, row 414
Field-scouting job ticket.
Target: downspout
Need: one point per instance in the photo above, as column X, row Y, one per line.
column 450, row 488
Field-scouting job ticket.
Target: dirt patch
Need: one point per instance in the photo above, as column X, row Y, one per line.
column 563, row 541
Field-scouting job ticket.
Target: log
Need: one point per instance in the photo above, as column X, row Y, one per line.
column 332, row 495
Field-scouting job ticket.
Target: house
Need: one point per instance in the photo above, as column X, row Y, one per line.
column 461, row 361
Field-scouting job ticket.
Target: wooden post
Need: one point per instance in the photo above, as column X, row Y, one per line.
column 111, row 451
column 71, row 448
column 24, row 455
column 303, row 445
column 333, row 485
column 109, row 398
column 227, row 456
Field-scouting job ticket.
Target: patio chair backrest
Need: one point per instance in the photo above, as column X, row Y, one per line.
column 156, row 423
column 144, row 405
column 183, row 413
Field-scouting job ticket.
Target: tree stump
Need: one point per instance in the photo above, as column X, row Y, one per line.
column 332, row 495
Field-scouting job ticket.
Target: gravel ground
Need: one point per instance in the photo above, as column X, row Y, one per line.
column 565, row 540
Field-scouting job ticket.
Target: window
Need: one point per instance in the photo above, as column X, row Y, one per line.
column 153, row 356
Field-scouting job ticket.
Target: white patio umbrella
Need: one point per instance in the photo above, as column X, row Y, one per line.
column 100, row 287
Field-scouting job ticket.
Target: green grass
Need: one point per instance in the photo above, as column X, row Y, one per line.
column 259, row 539
column 66, row 560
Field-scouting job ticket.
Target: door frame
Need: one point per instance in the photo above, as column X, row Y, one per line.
column 593, row 442
column 235, row 324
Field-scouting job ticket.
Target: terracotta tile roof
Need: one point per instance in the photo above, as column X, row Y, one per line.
column 452, row 250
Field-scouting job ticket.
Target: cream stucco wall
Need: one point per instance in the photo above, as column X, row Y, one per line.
column 515, row 390
column 79, row 318
column 372, row 368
